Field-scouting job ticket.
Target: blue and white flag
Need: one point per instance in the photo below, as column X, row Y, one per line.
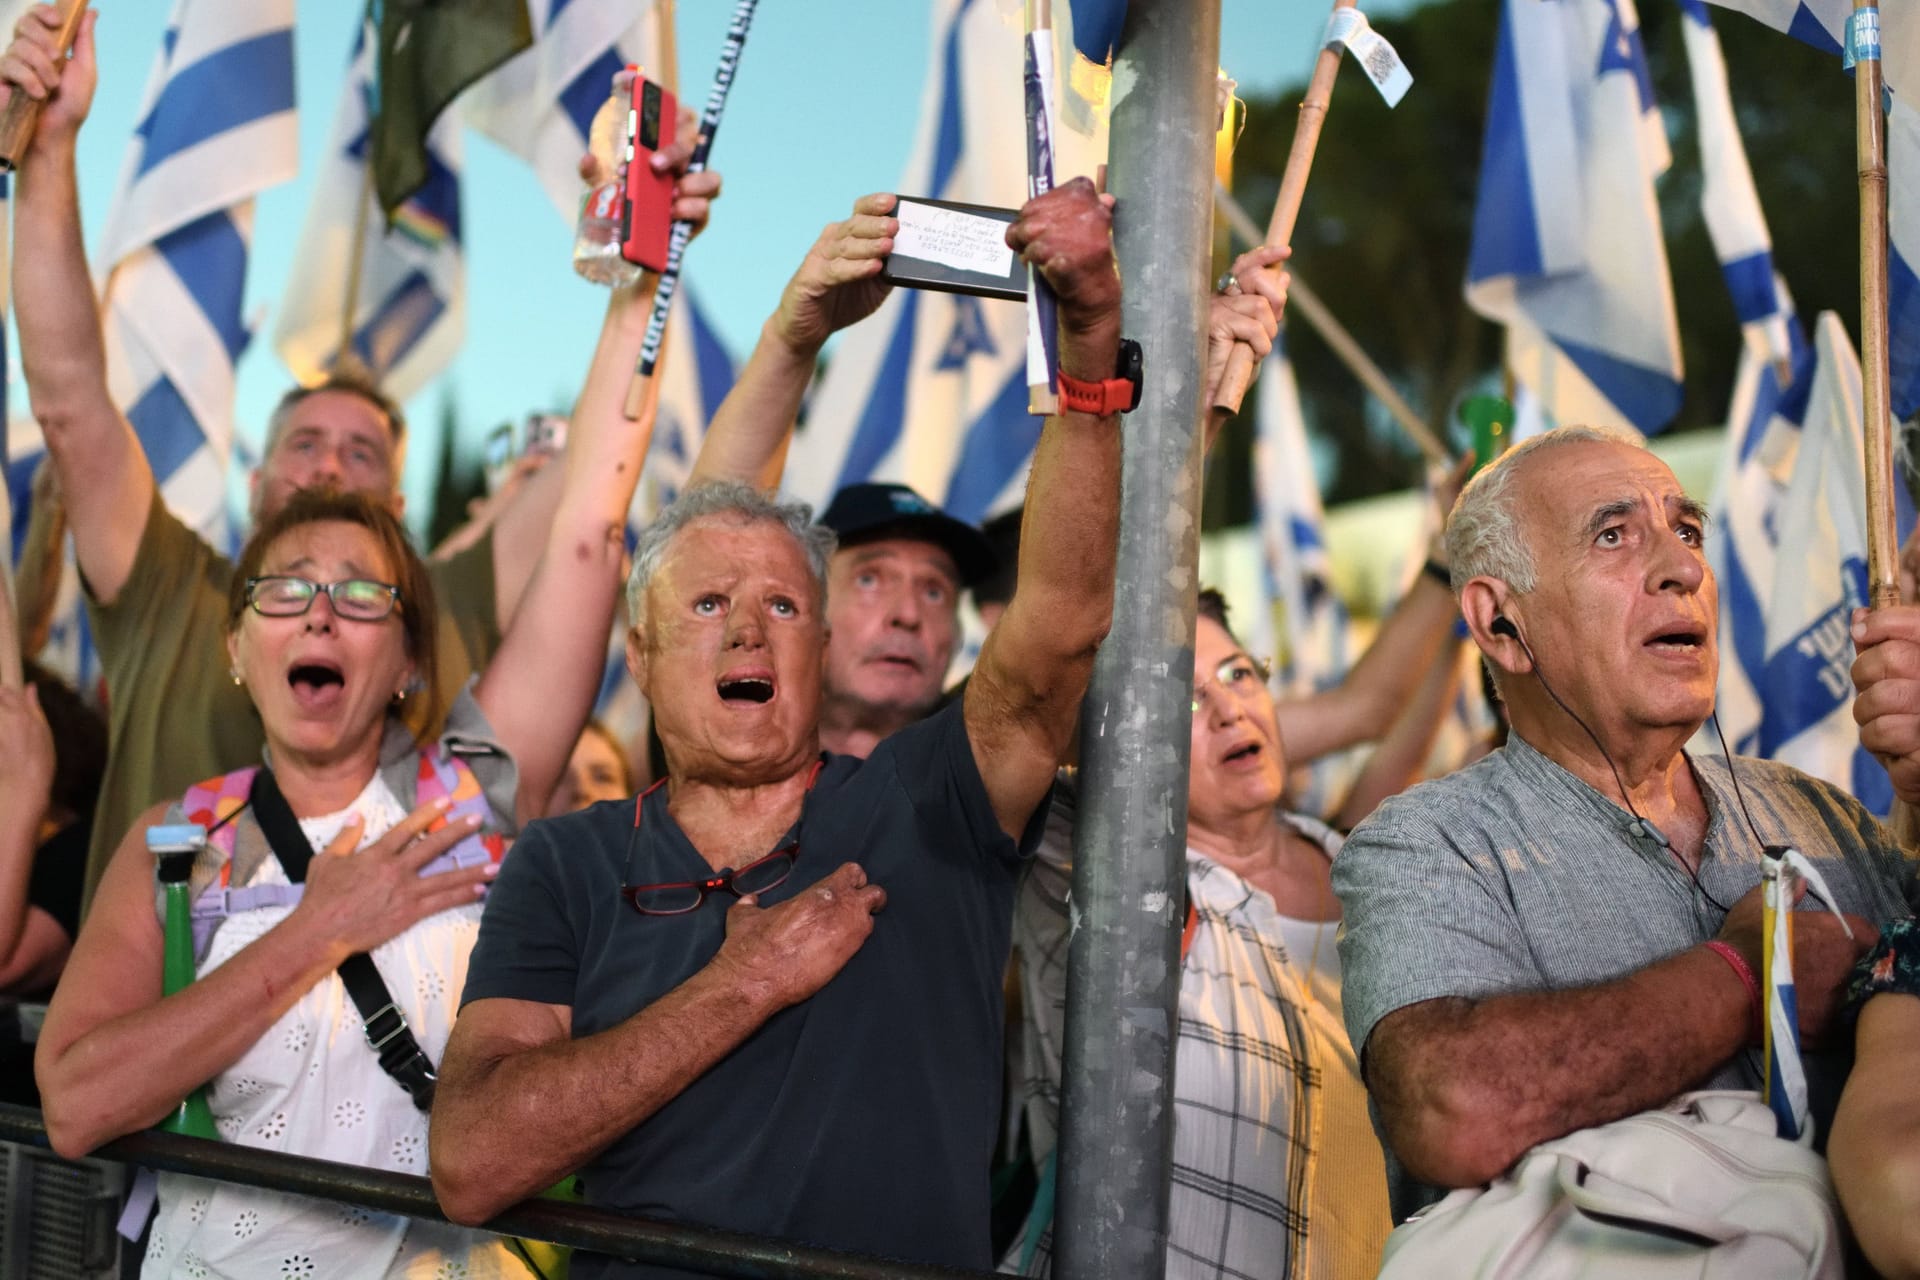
column 216, row 128
column 1762, row 441
column 1728, row 200
column 1567, row 250
column 540, row 104
column 1304, row 624
column 1819, row 578
column 409, row 303
column 932, row 390
column 1823, row 24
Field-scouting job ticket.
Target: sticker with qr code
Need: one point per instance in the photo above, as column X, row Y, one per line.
column 1377, row 58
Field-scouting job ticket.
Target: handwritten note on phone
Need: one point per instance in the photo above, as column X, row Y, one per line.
column 952, row 238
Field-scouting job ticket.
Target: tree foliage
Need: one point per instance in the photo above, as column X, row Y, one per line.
column 1384, row 232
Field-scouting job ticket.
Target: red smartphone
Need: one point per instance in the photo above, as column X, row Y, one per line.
column 648, row 217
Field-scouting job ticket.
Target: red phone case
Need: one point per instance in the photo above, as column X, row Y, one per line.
column 648, row 218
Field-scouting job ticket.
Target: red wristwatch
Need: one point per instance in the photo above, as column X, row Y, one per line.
column 1118, row 394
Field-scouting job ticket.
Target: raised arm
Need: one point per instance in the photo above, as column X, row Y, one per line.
column 1400, row 759
column 538, row 689
column 522, row 527
column 1465, row 1087
column 837, row 285
column 1025, row 692
column 103, row 471
column 521, row 1104
column 1369, row 699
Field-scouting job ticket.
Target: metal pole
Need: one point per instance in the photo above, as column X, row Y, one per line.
column 1123, row 974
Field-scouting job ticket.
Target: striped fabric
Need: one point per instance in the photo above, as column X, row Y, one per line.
column 1567, row 249
column 409, row 311
column 1261, row 1044
column 932, row 391
column 217, row 127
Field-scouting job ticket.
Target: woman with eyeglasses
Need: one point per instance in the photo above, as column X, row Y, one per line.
column 1276, row 1171
column 400, row 810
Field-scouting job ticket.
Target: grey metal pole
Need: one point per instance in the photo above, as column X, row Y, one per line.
column 1123, row 974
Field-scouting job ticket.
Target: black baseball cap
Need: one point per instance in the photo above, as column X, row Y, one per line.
column 869, row 512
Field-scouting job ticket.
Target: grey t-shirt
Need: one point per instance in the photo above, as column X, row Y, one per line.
column 1514, row 875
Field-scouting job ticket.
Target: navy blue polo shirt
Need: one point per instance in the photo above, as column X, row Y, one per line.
column 861, row 1119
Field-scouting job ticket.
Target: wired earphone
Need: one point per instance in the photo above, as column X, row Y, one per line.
column 1503, row 626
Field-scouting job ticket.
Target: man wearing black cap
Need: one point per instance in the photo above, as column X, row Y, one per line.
column 893, row 600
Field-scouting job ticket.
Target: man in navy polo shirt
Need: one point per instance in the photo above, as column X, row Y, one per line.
column 819, row 1059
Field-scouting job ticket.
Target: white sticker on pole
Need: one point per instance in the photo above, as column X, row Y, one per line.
column 1377, row 58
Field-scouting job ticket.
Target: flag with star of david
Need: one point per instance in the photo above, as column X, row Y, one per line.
column 932, row 390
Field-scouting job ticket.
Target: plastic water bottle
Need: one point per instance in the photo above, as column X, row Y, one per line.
column 596, row 236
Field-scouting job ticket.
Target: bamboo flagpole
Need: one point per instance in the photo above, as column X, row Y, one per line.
column 1043, row 359
column 1335, row 335
column 730, row 50
column 21, row 112
column 1883, row 547
column 1293, row 188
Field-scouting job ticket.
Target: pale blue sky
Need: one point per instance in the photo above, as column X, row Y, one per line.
column 823, row 109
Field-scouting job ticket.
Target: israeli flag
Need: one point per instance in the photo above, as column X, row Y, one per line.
column 540, row 103
column 540, row 106
column 217, row 127
column 409, row 301
column 1567, row 250
column 932, row 390
column 1728, row 200
column 1823, row 24
column 1305, row 624
column 1763, row 437
column 1819, row 578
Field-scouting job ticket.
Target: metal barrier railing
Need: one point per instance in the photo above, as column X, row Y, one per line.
column 692, row 1248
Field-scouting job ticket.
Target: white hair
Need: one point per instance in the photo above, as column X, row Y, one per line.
column 1483, row 533
column 740, row 502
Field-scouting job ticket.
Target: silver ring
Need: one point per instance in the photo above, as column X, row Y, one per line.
column 1228, row 284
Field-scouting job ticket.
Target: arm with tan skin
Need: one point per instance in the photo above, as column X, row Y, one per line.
column 521, row 1104
column 1024, row 697
column 837, row 285
column 114, row 1056
column 103, row 471
column 523, row 527
column 1875, row 1145
column 1368, row 701
column 32, row 944
column 538, row 689
column 1465, row 1087
column 1401, row 757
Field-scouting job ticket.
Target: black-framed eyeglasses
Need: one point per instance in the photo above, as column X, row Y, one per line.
column 679, row 897
column 287, row 596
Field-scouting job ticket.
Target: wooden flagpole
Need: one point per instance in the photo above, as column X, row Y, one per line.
column 1870, row 150
column 1883, row 548
column 1293, row 188
column 1342, row 343
column 22, row 113
column 356, row 262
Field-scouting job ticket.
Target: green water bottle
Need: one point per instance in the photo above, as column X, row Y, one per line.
column 175, row 849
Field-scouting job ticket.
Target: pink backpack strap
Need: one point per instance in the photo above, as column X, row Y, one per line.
column 444, row 774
